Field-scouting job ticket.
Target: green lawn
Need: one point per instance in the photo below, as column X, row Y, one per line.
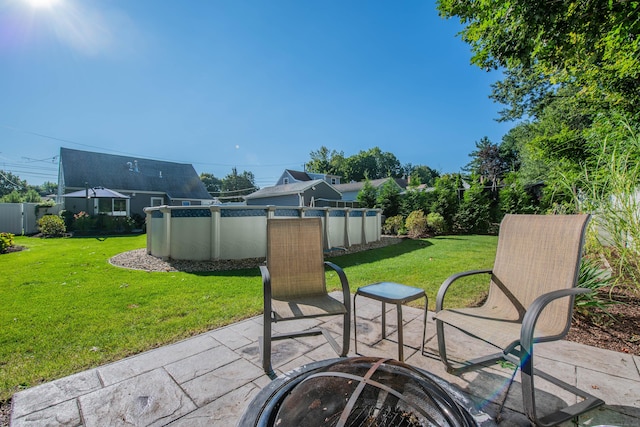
column 66, row 309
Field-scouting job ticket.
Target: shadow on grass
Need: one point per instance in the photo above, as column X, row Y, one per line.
column 374, row 255
column 344, row 261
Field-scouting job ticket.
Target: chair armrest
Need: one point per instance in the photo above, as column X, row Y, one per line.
column 445, row 285
column 535, row 310
column 346, row 293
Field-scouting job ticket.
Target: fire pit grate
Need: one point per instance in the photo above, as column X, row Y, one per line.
column 360, row 391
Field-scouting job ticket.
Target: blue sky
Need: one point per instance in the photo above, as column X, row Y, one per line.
column 254, row 84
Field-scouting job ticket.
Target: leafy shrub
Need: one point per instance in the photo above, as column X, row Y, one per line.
column 13, row 197
column 436, row 223
column 128, row 224
column 52, row 225
column 139, row 220
column 394, row 225
column 82, row 222
column 416, row 224
column 592, row 277
column 610, row 189
column 513, row 198
column 45, row 204
column 6, row 241
column 68, row 218
column 115, row 224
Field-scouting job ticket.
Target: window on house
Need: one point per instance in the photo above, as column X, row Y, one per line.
column 285, row 180
column 104, row 206
column 186, row 203
column 334, row 181
column 119, row 207
column 113, row 207
column 157, row 201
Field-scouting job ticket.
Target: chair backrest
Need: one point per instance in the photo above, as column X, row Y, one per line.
column 295, row 257
column 537, row 254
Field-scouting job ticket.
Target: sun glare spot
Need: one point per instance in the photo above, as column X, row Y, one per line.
column 42, row 4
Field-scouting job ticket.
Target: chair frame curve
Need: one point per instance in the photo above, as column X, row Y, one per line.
column 269, row 318
column 520, row 352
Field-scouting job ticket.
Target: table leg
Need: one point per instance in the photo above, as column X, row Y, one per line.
column 424, row 326
column 384, row 321
column 400, row 340
column 355, row 325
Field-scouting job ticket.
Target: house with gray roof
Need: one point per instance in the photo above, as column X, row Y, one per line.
column 315, row 193
column 290, row 176
column 146, row 182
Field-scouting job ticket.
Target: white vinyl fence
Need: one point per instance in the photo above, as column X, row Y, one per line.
column 21, row 218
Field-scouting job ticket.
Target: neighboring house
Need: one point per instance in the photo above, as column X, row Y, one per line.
column 290, row 176
column 304, row 193
column 350, row 191
column 146, row 182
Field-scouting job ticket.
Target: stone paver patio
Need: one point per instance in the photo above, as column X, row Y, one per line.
column 210, row 379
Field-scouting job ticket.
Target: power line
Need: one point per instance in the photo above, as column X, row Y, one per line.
column 68, row 141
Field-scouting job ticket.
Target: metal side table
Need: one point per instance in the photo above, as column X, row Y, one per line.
column 393, row 293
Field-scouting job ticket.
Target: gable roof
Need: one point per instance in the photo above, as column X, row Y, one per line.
column 298, row 175
column 177, row 180
column 287, row 189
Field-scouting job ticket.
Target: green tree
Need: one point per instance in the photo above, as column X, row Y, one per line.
column 566, row 65
column 10, row 182
column 235, row 185
column 513, row 197
column 32, row 196
column 372, row 164
column 592, row 45
column 474, row 212
column 421, row 175
column 325, row 161
column 446, row 197
column 413, row 200
column 46, row 188
column 320, row 161
column 389, row 198
column 487, row 163
column 213, row 184
column 367, row 196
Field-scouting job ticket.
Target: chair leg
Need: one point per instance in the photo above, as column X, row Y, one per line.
column 527, row 372
column 442, row 347
column 346, row 334
column 266, row 346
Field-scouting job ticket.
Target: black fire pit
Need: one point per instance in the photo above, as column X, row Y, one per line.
column 361, row 391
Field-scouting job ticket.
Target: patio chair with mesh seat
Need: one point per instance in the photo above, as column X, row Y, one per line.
column 294, row 284
column 530, row 300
